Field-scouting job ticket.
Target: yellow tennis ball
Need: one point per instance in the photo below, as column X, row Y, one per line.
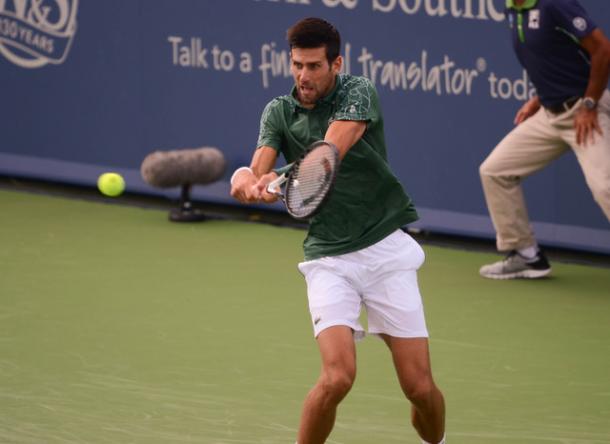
column 111, row 184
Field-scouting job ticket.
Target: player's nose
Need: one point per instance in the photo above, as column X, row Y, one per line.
column 305, row 75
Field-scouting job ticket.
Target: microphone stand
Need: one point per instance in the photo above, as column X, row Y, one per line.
column 186, row 212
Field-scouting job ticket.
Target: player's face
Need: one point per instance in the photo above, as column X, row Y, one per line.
column 313, row 76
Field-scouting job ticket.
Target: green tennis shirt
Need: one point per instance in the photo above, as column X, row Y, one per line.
column 367, row 202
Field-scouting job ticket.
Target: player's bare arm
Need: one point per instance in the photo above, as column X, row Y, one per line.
column 244, row 184
column 585, row 121
column 528, row 109
column 262, row 166
column 344, row 134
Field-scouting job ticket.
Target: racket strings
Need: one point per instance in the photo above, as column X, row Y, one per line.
column 310, row 181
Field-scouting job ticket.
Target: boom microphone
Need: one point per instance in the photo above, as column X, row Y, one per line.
column 166, row 169
column 184, row 168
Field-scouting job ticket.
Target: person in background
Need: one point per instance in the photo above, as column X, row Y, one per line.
column 567, row 58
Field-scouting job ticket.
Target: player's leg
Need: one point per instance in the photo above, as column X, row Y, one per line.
column 395, row 312
column 338, row 354
column 526, row 149
column 594, row 158
column 412, row 362
column 335, row 308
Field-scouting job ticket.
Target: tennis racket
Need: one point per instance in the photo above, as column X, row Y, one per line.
column 309, row 181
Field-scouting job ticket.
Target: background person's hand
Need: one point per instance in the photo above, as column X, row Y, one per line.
column 586, row 124
column 528, row 109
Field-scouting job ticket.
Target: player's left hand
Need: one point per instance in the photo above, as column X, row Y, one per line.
column 586, row 125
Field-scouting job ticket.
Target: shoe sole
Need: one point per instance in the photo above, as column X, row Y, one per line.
column 524, row 274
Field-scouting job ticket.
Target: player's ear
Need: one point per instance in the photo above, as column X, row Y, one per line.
column 336, row 65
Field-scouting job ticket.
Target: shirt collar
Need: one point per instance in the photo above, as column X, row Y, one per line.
column 527, row 4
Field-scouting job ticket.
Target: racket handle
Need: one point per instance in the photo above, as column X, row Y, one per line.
column 273, row 187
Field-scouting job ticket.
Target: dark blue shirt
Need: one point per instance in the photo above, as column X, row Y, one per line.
column 546, row 35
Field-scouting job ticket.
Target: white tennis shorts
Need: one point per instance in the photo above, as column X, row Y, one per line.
column 381, row 278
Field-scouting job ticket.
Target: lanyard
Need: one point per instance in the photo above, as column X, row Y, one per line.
column 526, row 5
column 520, row 27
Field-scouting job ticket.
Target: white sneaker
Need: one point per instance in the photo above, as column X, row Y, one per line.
column 515, row 266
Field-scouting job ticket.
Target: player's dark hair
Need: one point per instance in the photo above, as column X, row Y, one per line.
column 314, row 32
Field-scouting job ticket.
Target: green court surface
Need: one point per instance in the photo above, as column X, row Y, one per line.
column 117, row 326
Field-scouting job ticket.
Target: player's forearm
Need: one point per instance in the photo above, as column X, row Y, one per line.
column 344, row 134
column 263, row 160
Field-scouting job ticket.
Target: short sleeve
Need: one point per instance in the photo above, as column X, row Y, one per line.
column 572, row 17
column 358, row 101
column 270, row 128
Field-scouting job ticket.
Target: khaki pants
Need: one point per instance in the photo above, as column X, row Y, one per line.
column 528, row 148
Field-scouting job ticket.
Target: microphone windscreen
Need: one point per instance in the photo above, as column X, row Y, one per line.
column 166, row 169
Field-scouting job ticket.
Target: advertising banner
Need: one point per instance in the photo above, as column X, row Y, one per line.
column 94, row 86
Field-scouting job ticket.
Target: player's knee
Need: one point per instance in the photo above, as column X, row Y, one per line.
column 336, row 384
column 420, row 391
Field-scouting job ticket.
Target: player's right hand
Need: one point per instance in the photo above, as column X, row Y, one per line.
column 244, row 187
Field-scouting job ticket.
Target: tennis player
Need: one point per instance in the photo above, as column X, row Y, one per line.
column 355, row 251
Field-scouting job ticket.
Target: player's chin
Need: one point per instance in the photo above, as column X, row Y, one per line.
column 309, row 97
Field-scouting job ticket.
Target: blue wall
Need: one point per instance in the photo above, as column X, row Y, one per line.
column 97, row 85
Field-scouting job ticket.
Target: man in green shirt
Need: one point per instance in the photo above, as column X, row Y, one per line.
column 355, row 252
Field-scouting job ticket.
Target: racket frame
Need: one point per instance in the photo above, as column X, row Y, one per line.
column 274, row 186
